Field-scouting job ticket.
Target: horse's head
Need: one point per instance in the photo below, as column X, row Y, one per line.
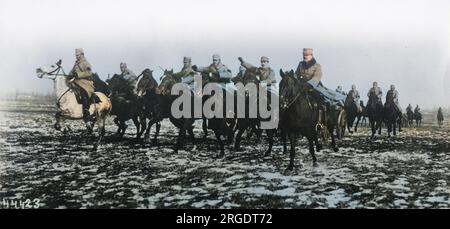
column 116, row 83
column 167, row 81
column 51, row 71
column 251, row 75
column 287, row 84
column 146, row 83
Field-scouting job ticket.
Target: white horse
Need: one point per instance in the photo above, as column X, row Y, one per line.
column 68, row 106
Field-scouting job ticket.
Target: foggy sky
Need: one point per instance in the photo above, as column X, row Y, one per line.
column 406, row 43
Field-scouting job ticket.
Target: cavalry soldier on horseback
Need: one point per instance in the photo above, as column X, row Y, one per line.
column 219, row 71
column 392, row 99
column 128, row 76
column 354, row 96
column 311, row 71
column 409, row 108
column 265, row 73
column 375, row 92
column 187, row 71
column 82, row 84
column 417, row 109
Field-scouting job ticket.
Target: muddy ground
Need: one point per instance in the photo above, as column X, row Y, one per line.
column 411, row 170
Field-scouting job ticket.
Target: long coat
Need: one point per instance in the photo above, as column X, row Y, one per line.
column 84, row 76
column 313, row 72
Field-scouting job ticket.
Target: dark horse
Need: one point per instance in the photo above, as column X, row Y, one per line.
column 392, row 117
column 146, row 93
column 298, row 115
column 158, row 107
column 352, row 113
column 124, row 104
column 375, row 114
column 243, row 124
column 410, row 117
column 418, row 118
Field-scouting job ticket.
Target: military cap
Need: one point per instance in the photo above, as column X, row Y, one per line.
column 308, row 51
column 79, row 51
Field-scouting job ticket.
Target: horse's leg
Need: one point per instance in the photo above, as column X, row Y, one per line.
column 221, row 145
column 333, row 140
column 237, row 142
column 205, row 127
column 283, row 139
column 394, row 126
column 292, row 153
column 138, row 127
column 119, row 127
column 311, row 149
column 190, row 131
column 155, row 138
column 101, row 129
column 270, row 139
column 380, row 123
column 357, row 122
column 152, row 121
column 181, row 132
column 373, row 127
column 316, row 141
column 350, row 121
column 389, row 127
column 57, row 124
column 143, row 121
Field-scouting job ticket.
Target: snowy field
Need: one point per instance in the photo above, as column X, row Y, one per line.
column 411, row 170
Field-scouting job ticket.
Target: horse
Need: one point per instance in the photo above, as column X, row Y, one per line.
column 243, row 124
column 298, row 115
column 418, row 118
column 158, row 108
column 125, row 105
column 375, row 114
column 352, row 112
column 67, row 105
column 392, row 117
column 410, row 117
column 362, row 116
column 146, row 92
column 440, row 118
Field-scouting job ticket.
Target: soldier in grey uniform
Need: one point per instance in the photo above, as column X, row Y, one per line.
column 187, row 73
column 266, row 74
column 354, row 96
column 218, row 70
column 392, row 99
column 129, row 77
column 375, row 92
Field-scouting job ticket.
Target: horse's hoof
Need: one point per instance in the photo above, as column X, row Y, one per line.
column 267, row 153
column 315, row 164
column 335, row 149
column 237, row 148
